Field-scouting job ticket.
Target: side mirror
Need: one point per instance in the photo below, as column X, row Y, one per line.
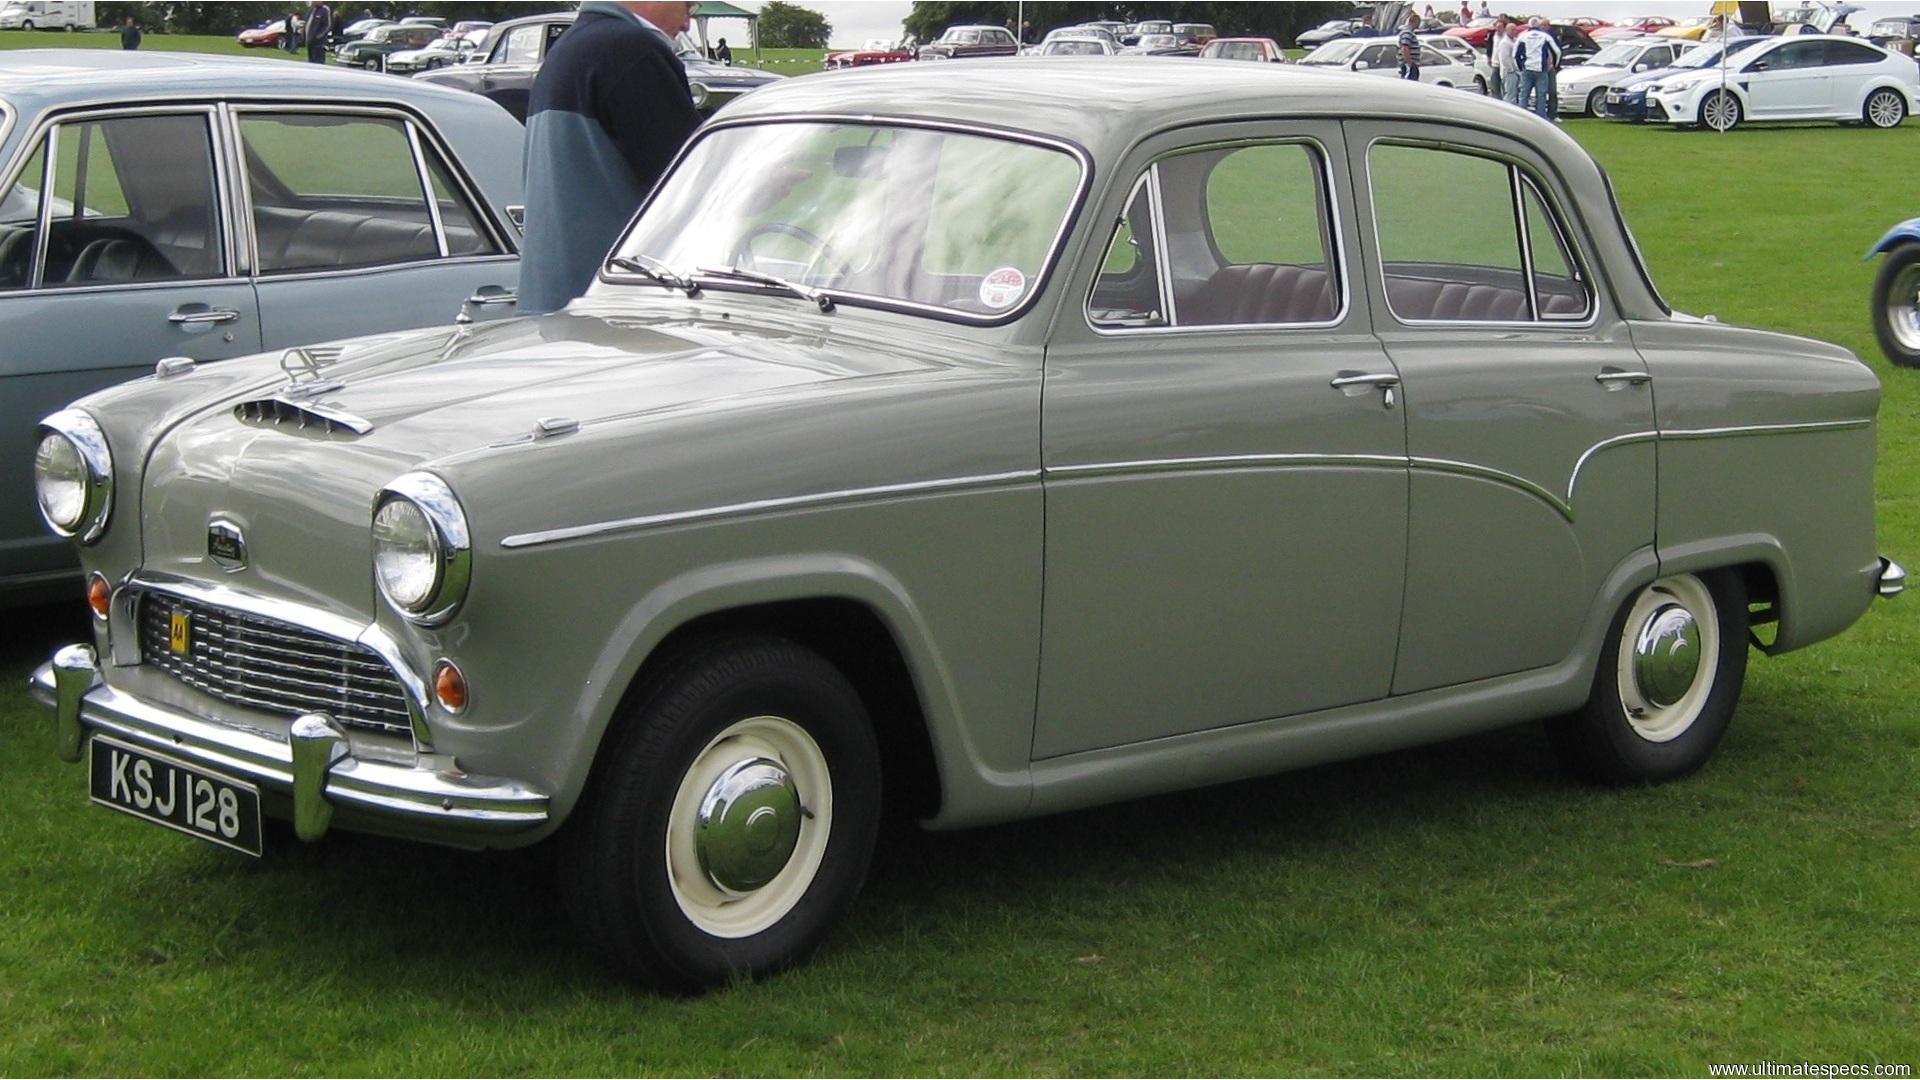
column 1639, row 67
column 1759, row 65
column 1361, row 65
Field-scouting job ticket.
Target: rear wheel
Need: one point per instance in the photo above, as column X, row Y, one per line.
column 1720, row 111
column 1896, row 305
column 1884, row 108
column 732, row 819
column 1666, row 686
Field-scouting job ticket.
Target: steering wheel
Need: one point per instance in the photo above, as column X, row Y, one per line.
column 743, row 250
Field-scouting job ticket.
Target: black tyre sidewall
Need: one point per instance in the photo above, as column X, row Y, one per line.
column 1903, row 255
column 1599, row 742
column 730, row 681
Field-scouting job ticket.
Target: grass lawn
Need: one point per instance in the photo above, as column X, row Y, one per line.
column 1459, row 909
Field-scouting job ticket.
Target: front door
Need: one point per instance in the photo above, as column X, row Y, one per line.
column 1529, row 412
column 1223, row 453
column 345, row 252
column 109, row 261
column 1792, row 80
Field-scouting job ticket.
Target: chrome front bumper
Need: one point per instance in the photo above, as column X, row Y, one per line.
column 314, row 764
column 1891, row 581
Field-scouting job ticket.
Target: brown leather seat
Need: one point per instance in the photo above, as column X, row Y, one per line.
column 1428, row 299
column 1261, row 294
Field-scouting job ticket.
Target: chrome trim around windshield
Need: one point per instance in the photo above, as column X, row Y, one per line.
column 1041, row 278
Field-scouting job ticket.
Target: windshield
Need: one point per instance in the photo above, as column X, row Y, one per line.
column 1237, row 50
column 1074, row 47
column 1158, row 41
column 1334, row 52
column 1710, row 56
column 1615, row 56
column 1152, row 27
column 967, row 224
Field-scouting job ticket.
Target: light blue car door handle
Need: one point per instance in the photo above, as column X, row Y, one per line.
column 195, row 315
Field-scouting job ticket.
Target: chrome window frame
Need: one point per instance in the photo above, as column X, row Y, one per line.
column 1337, row 265
column 1516, row 170
column 1145, row 183
column 48, row 127
column 419, row 135
column 1041, row 278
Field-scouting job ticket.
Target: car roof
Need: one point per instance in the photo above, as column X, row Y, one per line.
column 1104, row 104
column 36, row 79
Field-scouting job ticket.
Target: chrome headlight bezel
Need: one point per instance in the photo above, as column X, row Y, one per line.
column 700, row 92
column 451, row 547
column 89, row 442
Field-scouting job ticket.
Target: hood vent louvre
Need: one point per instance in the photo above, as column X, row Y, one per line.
column 281, row 411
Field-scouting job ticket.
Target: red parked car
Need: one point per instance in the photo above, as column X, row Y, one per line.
column 873, row 52
column 1474, row 33
column 268, row 35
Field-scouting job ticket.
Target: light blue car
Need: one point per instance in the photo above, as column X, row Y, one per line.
column 156, row 206
column 1896, row 293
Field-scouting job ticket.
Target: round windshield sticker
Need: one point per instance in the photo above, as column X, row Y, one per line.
column 1003, row 288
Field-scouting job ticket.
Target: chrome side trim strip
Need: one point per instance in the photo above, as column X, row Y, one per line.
column 1562, row 506
column 765, row 506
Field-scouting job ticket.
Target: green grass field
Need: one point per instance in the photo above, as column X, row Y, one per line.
column 1461, row 909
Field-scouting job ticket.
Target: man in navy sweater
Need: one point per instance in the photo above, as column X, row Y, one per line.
column 609, row 110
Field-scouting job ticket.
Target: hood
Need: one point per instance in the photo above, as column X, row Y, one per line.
column 303, row 491
column 714, row 73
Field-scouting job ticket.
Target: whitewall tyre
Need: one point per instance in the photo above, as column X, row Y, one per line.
column 731, row 818
column 1666, row 685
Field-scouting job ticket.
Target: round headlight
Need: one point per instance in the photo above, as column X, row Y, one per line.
column 700, row 94
column 60, row 479
column 73, row 475
column 422, row 558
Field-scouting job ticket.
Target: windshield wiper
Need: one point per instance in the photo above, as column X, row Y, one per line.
column 655, row 271
column 820, row 297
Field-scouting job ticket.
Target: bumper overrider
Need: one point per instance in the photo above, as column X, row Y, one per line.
column 313, row 764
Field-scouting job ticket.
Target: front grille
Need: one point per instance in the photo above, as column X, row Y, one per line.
column 272, row 666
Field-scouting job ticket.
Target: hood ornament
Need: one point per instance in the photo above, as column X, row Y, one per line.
column 304, row 379
column 297, row 404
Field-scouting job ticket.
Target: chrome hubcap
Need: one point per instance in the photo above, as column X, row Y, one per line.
column 1903, row 308
column 1666, row 656
column 749, row 826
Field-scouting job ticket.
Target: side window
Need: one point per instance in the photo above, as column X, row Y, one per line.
column 522, row 46
column 335, row 191
column 1430, row 57
column 20, row 223
column 465, row 235
column 133, row 200
column 1471, row 265
column 1377, row 56
column 1248, row 242
column 553, row 32
column 1850, row 52
column 1127, row 291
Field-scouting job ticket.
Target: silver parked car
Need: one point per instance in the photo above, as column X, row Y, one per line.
column 1088, row 435
column 179, row 206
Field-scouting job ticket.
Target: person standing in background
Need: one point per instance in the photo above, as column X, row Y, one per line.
column 609, row 110
column 129, row 34
column 1538, row 55
column 1500, row 58
column 1409, row 43
column 290, row 33
column 319, row 31
column 723, row 54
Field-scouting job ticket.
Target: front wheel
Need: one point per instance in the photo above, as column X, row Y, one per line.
column 26, row 24
column 1884, row 108
column 732, row 819
column 1720, row 111
column 1666, row 686
column 1896, row 305
column 1597, row 103
column 1480, row 84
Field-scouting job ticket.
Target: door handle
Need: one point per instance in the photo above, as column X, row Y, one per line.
column 1356, row 383
column 488, row 297
column 1616, row 379
column 204, row 317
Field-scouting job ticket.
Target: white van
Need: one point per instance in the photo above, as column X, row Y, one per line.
column 46, row 15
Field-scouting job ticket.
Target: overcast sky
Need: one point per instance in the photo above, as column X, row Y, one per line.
column 856, row 21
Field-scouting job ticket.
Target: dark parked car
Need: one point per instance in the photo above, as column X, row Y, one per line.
column 970, row 43
column 371, row 52
column 516, row 48
column 1331, row 30
column 1576, row 45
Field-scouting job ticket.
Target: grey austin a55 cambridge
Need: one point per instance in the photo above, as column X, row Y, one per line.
column 1115, row 427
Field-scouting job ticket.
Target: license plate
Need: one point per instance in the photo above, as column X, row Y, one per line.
column 156, row 788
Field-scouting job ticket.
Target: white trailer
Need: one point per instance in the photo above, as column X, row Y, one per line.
column 46, row 15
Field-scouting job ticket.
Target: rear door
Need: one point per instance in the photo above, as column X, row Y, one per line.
column 1529, row 412
column 343, row 237
column 115, row 252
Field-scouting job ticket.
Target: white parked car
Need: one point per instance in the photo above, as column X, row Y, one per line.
column 1073, row 45
column 1583, row 87
column 1459, row 49
column 1809, row 77
column 1381, row 56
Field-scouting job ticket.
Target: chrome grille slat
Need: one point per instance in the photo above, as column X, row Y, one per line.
column 273, row 666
